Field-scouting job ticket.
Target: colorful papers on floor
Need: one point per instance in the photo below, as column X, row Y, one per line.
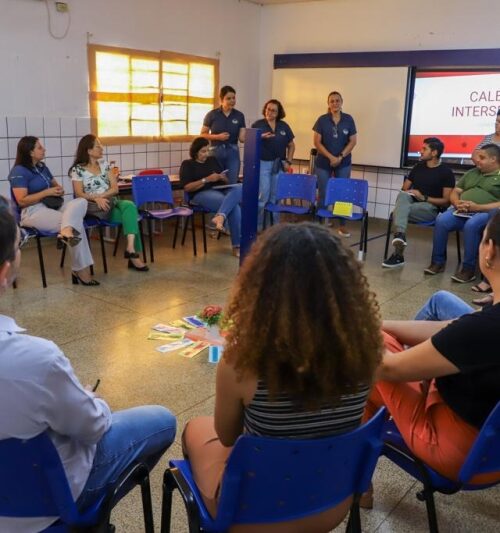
column 215, row 353
column 194, row 349
column 176, row 345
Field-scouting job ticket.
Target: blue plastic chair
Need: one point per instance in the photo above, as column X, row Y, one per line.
column 484, row 457
column 34, row 484
column 352, row 191
column 203, row 211
column 269, row 480
column 38, row 235
column 292, row 187
column 157, row 188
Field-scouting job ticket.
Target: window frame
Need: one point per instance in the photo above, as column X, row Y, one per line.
column 161, row 56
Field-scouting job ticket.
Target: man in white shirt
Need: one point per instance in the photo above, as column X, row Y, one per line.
column 39, row 392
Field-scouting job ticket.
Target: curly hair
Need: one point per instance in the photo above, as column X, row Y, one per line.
column 303, row 317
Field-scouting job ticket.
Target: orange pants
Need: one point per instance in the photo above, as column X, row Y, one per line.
column 432, row 431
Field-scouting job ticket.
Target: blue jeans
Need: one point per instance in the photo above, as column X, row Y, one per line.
column 267, row 190
column 225, row 202
column 140, row 434
column 472, row 229
column 443, row 305
column 323, row 177
column 228, row 156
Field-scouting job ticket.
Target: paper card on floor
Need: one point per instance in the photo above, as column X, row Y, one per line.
column 194, row 349
column 342, row 209
column 194, row 321
column 167, row 329
column 181, row 324
column 159, row 336
column 176, row 345
column 215, row 353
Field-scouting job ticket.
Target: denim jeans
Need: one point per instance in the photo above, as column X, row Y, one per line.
column 443, row 305
column 267, row 190
column 225, row 202
column 228, row 156
column 323, row 177
column 140, row 434
column 472, row 230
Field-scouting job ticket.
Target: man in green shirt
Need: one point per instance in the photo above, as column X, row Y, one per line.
column 475, row 197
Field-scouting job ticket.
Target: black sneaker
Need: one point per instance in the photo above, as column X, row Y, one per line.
column 394, row 261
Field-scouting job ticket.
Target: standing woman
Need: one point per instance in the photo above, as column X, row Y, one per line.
column 334, row 138
column 94, row 180
column 277, row 151
column 224, row 127
column 41, row 200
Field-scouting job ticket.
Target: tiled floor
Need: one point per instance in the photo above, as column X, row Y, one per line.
column 103, row 331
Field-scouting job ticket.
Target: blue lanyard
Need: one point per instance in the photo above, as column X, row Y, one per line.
column 46, row 179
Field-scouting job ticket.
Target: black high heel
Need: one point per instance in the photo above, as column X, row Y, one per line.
column 131, row 265
column 76, row 279
column 62, row 241
column 130, row 255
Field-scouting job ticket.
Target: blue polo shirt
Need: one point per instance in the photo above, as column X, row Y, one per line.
column 274, row 147
column 334, row 137
column 35, row 179
column 217, row 122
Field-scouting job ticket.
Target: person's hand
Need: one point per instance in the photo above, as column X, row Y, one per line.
column 223, row 178
column 268, row 135
column 54, row 191
column 286, row 166
column 222, row 136
column 213, row 177
column 102, row 203
column 114, row 172
column 335, row 161
column 418, row 195
column 472, row 207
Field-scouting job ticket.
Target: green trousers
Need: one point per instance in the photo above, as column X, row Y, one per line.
column 125, row 212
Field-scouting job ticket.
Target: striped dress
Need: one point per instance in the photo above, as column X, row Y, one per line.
column 281, row 418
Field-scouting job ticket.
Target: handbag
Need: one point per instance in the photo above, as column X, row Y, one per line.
column 103, row 214
column 53, row 202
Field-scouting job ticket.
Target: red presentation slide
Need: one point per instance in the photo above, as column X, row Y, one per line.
column 459, row 107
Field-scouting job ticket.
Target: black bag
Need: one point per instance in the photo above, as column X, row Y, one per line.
column 53, row 202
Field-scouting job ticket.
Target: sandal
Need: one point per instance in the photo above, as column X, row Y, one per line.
column 219, row 220
column 478, row 288
column 485, row 300
column 63, row 240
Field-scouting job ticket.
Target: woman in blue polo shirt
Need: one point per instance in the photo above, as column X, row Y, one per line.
column 224, row 127
column 40, row 198
column 334, row 138
column 276, row 152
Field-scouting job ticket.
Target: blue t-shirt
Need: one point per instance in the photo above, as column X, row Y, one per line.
column 35, row 179
column 274, row 147
column 217, row 122
column 334, row 137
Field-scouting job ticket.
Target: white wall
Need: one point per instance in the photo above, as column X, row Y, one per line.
column 42, row 76
column 375, row 25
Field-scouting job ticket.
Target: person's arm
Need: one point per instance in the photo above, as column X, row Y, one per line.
column 241, row 135
column 353, row 139
column 23, row 199
column 68, row 408
column 412, row 332
column 455, row 196
column 334, row 161
column 441, row 202
column 480, row 208
column 290, row 151
column 229, row 410
column 193, row 186
column 415, row 364
column 205, row 133
column 407, row 183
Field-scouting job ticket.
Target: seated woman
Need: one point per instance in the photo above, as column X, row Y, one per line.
column 199, row 175
column 441, row 389
column 291, row 356
column 94, row 180
column 41, row 198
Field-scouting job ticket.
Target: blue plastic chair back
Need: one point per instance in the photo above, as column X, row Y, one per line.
column 296, row 186
column 153, row 188
column 274, row 480
column 34, row 483
column 484, row 456
column 347, row 190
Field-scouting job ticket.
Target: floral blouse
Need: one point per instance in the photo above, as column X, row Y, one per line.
column 92, row 183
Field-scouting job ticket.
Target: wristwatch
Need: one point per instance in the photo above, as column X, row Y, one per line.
column 203, row 180
column 341, row 155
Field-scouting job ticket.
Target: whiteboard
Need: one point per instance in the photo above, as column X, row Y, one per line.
column 374, row 96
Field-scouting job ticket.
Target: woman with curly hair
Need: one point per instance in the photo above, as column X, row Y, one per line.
column 299, row 360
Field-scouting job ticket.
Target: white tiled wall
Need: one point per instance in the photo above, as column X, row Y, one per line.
column 60, row 137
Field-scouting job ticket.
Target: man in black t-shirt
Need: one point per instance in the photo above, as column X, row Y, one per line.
column 426, row 191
